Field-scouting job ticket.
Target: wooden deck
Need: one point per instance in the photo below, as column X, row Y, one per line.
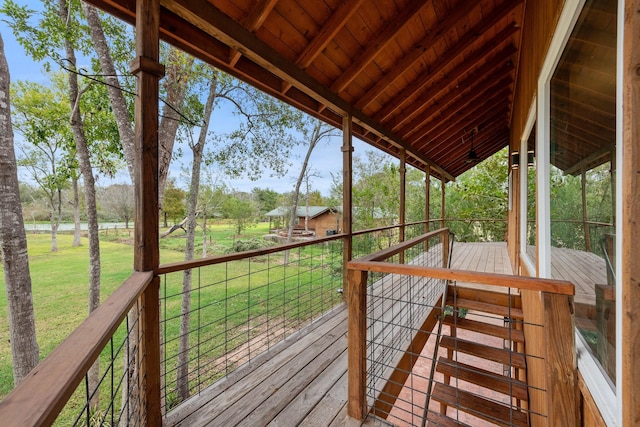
column 303, row 380
column 584, row 269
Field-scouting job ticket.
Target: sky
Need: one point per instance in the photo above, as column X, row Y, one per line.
column 326, row 157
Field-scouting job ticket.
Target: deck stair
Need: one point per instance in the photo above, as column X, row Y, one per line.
column 479, row 381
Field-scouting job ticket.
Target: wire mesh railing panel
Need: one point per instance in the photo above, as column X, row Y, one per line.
column 112, row 393
column 235, row 310
column 398, row 306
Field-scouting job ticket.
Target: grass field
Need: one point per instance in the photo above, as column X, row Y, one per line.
column 250, row 291
column 60, row 281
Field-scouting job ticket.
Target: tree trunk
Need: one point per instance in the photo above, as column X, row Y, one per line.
column 56, row 215
column 315, row 138
column 116, row 96
column 175, row 83
column 84, row 162
column 15, row 261
column 204, row 233
column 182, row 380
column 76, row 212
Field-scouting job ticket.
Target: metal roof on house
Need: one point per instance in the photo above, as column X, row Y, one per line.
column 301, row 211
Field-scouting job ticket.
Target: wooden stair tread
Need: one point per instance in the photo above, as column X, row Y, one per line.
column 499, row 355
column 483, row 378
column 480, row 407
column 504, row 332
column 512, row 312
column 437, row 419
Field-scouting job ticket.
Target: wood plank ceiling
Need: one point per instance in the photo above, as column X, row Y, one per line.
column 414, row 74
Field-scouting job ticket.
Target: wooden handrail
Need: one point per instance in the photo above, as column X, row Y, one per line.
column 402, row 246
column 218, row 259
column 388, row 227
column 561, row 287
column 44, row 392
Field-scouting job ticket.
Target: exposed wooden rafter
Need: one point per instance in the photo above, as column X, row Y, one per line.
column 254, row 21
column 389, row 32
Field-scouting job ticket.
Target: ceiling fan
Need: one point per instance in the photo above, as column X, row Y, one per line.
column 472, row 156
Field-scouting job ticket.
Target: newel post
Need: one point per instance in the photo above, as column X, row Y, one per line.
column 148, row 70
column 561, row 360
column 357, row 346
column 444, row 239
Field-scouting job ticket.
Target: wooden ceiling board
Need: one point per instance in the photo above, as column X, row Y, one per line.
column 380, row 64
column 236, row 10
column 417, row 115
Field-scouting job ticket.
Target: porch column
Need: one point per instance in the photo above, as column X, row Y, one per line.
column 628, row 295
column 427, row 197
column 148, row 70
column 347, row 181
column 403, row 197
column 585, row 214
column 442, row 207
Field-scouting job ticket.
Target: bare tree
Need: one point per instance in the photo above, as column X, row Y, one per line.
column 182, row 380
column 22, row 331
column 319, row 131
column 119, row 200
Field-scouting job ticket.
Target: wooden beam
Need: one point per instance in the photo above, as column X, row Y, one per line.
column 443, row 62
column 465, row 119
column 483, row 76
column 388, row 34
column 253, row 22
column 606, row 151
column 335, row 23
column 629, row 345
column 413, row 55
column 467, row 102
column 208, row 18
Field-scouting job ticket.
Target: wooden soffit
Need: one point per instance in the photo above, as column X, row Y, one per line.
column 415, row 75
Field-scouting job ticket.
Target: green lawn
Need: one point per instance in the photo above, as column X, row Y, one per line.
column 60, row 290
column 248, row 289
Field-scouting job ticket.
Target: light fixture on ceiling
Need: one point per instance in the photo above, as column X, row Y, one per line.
column 472, row 156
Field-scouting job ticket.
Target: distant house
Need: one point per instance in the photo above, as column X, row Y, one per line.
column 321, row 220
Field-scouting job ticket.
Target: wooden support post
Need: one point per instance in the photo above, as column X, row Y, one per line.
column 427, row 196
column 357, row 344
column 444, row 240
column 403, row 189
column 442, row 207
column 585, row 214
column 561, row 361
column 427, row 203
column 629, row 294
column 347, row 185
column 149, row 71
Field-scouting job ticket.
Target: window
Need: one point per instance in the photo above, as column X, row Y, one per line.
column 581, row 149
